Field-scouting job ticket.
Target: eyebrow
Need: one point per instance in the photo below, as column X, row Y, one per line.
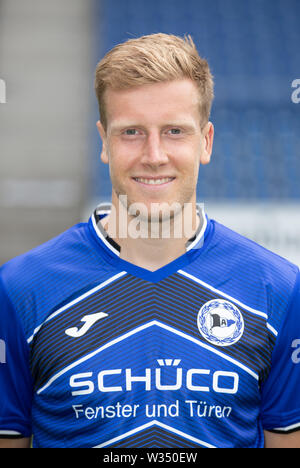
column 124, row 124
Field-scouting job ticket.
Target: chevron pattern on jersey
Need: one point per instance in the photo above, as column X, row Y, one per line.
column 154, row 437
column 130, row 302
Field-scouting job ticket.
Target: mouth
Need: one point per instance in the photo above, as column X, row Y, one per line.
column 154, row 180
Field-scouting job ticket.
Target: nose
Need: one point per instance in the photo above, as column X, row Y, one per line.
column 154, row 153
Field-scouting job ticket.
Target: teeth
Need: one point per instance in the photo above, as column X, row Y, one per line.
column 154, row 181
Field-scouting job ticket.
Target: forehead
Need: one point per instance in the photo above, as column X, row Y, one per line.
column 151, row 102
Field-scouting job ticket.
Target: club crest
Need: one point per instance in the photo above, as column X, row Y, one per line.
column 220, row 322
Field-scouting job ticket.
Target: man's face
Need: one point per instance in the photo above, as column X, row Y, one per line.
column 154, row 143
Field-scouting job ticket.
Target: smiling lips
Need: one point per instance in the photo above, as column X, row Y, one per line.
column 154, row 181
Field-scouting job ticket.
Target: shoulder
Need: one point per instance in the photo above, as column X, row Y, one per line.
column 251, row 273
column 37, row 281
column 50, row 275
column 246, row 254
column 33, row 262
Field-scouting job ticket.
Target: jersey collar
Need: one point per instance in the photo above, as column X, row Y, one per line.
column 194, row 247
column 104, row 209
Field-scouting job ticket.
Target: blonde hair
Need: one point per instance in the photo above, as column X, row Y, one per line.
column 151, row 59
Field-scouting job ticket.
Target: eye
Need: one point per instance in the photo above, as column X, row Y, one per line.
column 130, row 132
column 174, row 131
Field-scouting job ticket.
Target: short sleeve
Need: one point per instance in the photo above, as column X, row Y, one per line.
column 280, row 404
column 15, row 377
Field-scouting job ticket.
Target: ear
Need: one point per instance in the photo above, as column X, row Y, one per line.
column 102, row 133
column 208, row 134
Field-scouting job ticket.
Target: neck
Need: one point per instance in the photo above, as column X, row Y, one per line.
column 151, row 245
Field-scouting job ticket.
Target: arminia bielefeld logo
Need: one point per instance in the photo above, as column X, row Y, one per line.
column 220, row 322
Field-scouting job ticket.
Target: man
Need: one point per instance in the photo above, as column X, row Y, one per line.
column 151, row 325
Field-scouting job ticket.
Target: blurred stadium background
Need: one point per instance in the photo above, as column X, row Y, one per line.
column 50, row 172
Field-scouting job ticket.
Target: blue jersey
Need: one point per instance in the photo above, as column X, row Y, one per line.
column 98, row 352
